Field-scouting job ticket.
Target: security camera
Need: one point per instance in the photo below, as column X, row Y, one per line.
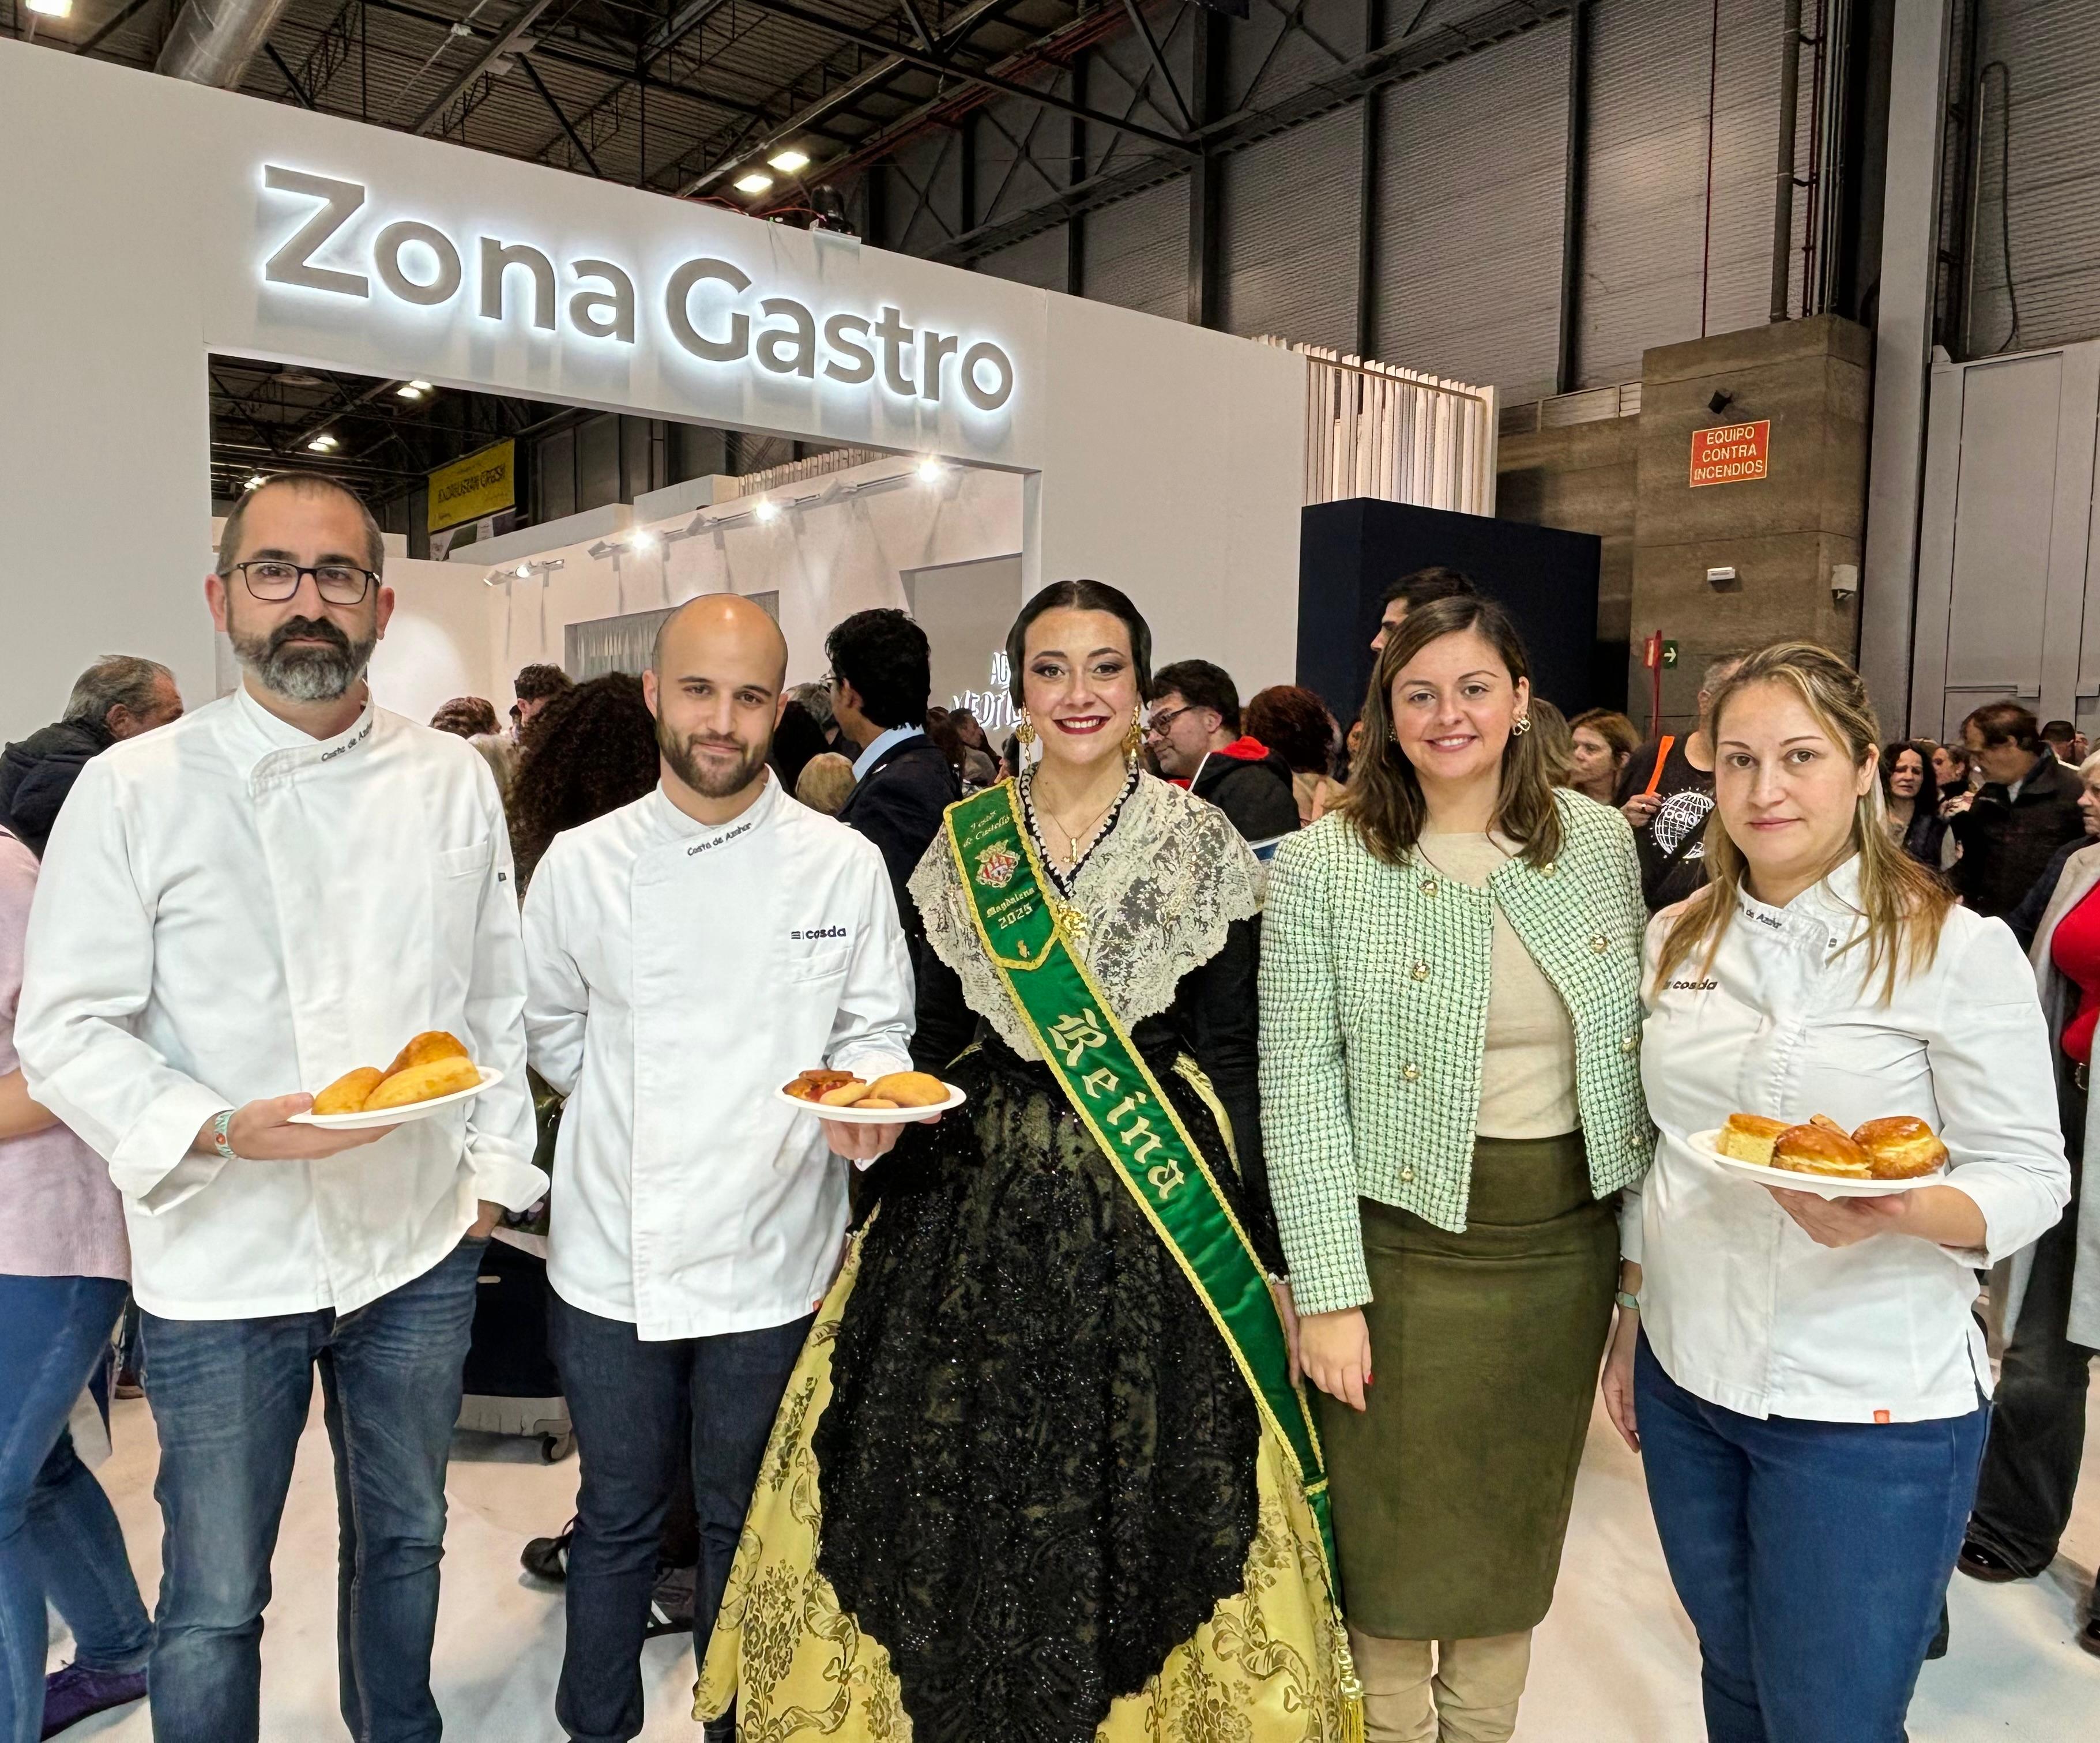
column 1844, row 580
column 1720, row 402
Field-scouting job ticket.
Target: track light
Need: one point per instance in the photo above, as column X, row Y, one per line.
column 412, row 389
column 767, row 511
column 931, row 471
column 52, row 8
column 757, row 182
column 256, row 481
column 787, row 162
column 642, row 541
column 323, row 443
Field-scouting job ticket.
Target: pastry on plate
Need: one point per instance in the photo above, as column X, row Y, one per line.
column 1748, row 1137
column 1820, row 1149
column 443, row 1076
column 1901, row 1147
column 432, row 1043
column 909, row 1089
column 814, row 1086
column 845, row 1095
column 348, row 1093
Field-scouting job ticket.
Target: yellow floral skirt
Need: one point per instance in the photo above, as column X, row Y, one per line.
column 1265, row 1667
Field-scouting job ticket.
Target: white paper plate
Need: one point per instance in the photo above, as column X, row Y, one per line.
column 1823, row 1185
column 400, row 1116
column 874, row 1116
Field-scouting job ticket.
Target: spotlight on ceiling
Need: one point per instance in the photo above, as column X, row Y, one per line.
column 323, row 444
column 256, row 481
column 931, row 470
column 757, row 182
column 643, row 541
column 412, row 389
column 787, row 162
column 767, row 511
column 524, row 571
column 52, row 8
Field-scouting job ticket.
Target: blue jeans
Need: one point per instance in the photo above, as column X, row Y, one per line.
column 628, row 1400
column 230, row 1397
column 1812, row 1557
column 59, row 1539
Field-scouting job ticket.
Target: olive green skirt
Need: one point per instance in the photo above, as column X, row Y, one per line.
column 1451, row 1490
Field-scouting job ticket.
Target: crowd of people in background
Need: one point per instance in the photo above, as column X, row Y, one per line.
column 1428, row 1013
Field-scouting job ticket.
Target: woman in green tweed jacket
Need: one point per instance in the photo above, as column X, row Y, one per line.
column 1451, row 1100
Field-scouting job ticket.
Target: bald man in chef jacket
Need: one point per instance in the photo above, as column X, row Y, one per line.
column 685, row 956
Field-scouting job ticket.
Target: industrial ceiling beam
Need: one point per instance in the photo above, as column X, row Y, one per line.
column 506, row 44
column 547, row 96
column 806, row 119
column 947, row 69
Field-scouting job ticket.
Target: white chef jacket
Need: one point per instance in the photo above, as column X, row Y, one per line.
column 230, row 910
column 1742, row 1308
column 678, row 975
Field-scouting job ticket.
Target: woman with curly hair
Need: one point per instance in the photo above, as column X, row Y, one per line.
column 590, row 750
column 1294, row 723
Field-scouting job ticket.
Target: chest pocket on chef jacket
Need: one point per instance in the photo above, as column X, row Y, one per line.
column 823, row 962
column 462, row 872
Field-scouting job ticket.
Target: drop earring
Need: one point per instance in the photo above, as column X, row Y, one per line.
column 1024, row 734
column 1521, row 724
column 1133, row 741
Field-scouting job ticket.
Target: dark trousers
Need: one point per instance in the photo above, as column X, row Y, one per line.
column 230, row 1398
column 629, row 1401
column 1812, row 1557
column 2037, row 1418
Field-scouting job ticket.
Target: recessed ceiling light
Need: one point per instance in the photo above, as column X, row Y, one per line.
column 756, row 183
column 767, row 511
column 787, row 162
column 52, row 8
column 412, row 389
column 322, row 444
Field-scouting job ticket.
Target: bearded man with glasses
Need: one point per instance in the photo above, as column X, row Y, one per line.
column 283, row 886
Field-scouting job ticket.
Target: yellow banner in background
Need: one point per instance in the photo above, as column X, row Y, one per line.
column 482, row 483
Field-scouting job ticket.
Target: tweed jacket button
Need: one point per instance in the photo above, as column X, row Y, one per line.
column 1411, row 1073
column 1600, row 944
column 1407, row 1177
column 1547, row 870
column 1420, row 971
column 1429, row 886
column 1631, row 1043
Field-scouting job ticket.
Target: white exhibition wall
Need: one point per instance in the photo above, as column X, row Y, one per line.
column 843, row 552
column 1165, row 458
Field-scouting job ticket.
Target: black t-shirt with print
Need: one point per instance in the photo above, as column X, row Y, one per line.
column 1672, row 849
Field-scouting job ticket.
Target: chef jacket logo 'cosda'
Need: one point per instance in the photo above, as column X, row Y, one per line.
column 705, row 302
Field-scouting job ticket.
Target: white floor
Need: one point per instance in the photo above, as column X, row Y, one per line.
column 1616, row 1662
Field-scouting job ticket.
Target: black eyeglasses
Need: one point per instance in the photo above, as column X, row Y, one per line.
column 1162, row 720
column 337, row 583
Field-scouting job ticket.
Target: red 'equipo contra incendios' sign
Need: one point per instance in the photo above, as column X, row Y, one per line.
column 1732, row 454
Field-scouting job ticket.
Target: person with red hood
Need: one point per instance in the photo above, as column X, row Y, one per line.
column 1194, row 730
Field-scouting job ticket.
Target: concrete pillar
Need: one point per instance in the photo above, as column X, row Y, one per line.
column 1784, row 534
column 1902, row 353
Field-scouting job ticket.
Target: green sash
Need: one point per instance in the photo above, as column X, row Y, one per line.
column 1020, row 923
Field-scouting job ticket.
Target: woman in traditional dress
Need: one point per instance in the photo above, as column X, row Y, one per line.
column 1043, row 1474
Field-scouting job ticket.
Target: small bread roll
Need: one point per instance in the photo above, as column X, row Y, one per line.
column 844, row 1095
column 423, row 1083
column 432, row 1043
column 874, row 1102
column 1900, row 1147
column 1749, row 1137
column 347, row 1093
column 911, row 1089
column 1819, row 1150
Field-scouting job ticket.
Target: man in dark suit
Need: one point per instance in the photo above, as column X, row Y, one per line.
column 881, row 678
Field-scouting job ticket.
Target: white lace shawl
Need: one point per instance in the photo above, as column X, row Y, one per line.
column 1158, row 890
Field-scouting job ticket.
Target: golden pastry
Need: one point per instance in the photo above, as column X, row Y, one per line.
column 1900, row 1147
column 424, row 1082
column 1749, row 1137
column 910, row 1089
column 812, row 1086
column 844, row 1095
column 1820, row 1149
column 433, row 1043
column 347, row 1093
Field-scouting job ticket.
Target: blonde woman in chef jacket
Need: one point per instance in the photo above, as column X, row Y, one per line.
column 1802, row 1375
column 685, row 956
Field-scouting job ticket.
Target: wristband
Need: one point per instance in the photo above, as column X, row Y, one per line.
column 218, row 1125
column 1627, row 1303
